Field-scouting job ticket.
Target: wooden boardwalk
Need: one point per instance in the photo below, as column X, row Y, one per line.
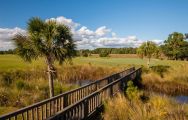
column 81, row 103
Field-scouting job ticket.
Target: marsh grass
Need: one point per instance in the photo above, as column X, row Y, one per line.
column 20, row 88
column 156, row 108
column 173, row 81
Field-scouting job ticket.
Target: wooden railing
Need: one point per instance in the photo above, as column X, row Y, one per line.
column 86, row 107
column 50, row 107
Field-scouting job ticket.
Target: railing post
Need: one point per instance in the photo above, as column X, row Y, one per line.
column 110, row 79
column 86, row 108
column 122, row 85
column 111, row 90
column 97, row 86
column 65, row 101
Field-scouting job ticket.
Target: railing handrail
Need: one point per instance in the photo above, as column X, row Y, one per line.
column 19, row 111
column 92, row 94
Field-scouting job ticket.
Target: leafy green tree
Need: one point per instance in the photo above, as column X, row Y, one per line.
column 183, row 54
column 104, row 53
column 147, row 49
column 46, row 39
column 173, row 44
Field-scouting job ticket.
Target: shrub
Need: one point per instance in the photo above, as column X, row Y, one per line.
column 58, row 89
column 160, row 69
column 104, row 54
column 6, row 79
column 85, row 54
column 131, row 91
column 4, row 97
column 20, row 84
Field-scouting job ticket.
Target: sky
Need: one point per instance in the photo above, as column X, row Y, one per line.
column 98, row 23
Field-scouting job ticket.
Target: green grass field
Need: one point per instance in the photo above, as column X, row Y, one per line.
column 15, row 62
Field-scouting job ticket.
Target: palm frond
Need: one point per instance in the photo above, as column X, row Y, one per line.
column 24, row 47
column 35, row 26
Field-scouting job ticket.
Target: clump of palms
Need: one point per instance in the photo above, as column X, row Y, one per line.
column 46, row 39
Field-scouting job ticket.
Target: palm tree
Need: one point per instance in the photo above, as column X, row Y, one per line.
column 46, row 39
column 148, row 50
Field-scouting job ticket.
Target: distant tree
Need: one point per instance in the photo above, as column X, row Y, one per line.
column 147, row 49
column 173, row 44
column 115, row 50
column 46, row 39
column 104, row 53
column 158, row 52
column 85, row 52
column 183, row 54
column 10, row 51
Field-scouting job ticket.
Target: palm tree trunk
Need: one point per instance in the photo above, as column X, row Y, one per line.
column 50, row 79
column 50, row 71
column 148, row 63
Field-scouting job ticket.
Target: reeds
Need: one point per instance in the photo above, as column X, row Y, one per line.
column 19, row 88
column 156, row 108
column 173, row 82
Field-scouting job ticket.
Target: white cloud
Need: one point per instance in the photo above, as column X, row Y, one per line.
column 6, row 35
column 65, row 21
column 114, row 34
column 101, row 31
column 85, row 38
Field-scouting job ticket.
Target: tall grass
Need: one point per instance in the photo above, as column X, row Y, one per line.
column 20, row 88
column 156, row 108
column 174, row 81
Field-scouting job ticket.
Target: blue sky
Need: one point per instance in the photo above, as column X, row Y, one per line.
column 144, row 19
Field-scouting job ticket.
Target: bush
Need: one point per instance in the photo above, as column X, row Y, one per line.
column 58, row 89
column 6, row 79
column 20, row 84
column 4, row 97
column 131, row 91
column 104, row 54
column 85, row 54
column 160, row 69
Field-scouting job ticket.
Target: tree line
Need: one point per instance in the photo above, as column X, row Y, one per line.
column 174, row 47
column 104, row 52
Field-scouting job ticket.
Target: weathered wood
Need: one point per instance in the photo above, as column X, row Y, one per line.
column 90, row 104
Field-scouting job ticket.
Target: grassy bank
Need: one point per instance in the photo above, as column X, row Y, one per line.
column 23, row 83
column 172, row 81
column 156, row 108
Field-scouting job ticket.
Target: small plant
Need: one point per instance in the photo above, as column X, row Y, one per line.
column 132, row 91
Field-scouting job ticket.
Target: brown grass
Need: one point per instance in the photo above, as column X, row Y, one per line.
column 157, row 108
column 31, row 86
column 173, row 82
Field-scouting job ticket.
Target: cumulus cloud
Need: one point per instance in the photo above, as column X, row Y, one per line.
column 84, row 37
column 101, row 31
column 6, row 35
column 65, row 21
